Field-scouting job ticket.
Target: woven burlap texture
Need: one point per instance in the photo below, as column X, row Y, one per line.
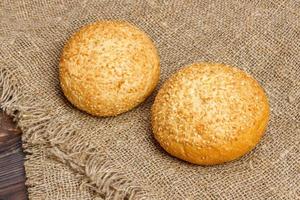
column 72, row 155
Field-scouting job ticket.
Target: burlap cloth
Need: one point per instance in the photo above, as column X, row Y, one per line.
column 72, row 155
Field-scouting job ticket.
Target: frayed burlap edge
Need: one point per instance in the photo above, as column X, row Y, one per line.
column 38, row 123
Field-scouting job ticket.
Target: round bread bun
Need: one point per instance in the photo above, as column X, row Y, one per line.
column 108, row 68
column 209, row 114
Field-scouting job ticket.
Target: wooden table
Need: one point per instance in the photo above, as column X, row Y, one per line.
column 12, row 174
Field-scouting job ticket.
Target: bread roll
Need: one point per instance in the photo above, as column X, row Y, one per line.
column 209, row 114
column 108, row 68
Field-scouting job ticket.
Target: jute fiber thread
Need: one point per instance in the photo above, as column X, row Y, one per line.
column 72, row 155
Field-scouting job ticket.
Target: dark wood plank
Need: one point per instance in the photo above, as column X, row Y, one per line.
column 12, row 174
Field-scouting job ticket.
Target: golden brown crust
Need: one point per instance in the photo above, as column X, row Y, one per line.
column 108, row 68
column 209, row 114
